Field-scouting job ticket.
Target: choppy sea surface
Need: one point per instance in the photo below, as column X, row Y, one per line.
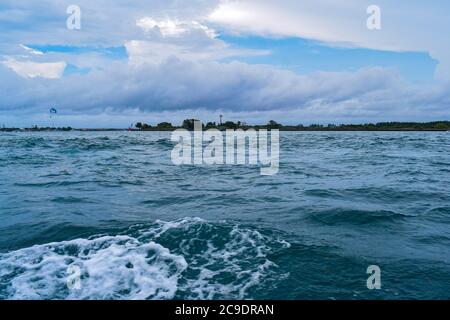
column 139, row 227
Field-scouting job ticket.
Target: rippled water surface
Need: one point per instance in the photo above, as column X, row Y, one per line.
column 139, row 227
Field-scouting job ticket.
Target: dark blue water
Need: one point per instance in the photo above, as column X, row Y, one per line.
column 140, row 227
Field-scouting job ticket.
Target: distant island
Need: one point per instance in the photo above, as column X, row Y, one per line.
column 189, row 125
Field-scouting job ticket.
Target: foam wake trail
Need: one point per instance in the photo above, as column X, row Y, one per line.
column 188, row 258
column 113, row 267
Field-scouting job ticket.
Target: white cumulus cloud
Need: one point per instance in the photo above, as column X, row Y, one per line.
column 173, row 27
column 30, row 69
column 406, row 25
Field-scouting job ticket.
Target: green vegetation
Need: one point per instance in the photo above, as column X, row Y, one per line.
column 382, row 126
column 163, row 126
column 189, row 125
column 36, row 128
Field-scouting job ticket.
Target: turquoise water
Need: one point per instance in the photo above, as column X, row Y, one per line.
column 139, row 227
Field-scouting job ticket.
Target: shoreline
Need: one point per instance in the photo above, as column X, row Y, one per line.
column 280, row 129
column 435, row 126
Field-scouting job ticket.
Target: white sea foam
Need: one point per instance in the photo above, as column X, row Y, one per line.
column 118, row 267
column 225, row 261
column 188, row 258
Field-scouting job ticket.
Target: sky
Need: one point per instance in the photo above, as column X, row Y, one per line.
column 293, row 61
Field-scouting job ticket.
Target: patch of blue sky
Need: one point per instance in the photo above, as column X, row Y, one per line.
column 72, row 69
column 117, row 53
column 307, row 56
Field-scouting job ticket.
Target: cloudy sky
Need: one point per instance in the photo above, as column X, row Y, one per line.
column 294, row 61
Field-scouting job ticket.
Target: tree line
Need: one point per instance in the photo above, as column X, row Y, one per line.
column 381, row 126
column 189, row 125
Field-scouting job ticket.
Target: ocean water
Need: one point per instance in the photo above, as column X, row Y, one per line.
column 138, row 227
